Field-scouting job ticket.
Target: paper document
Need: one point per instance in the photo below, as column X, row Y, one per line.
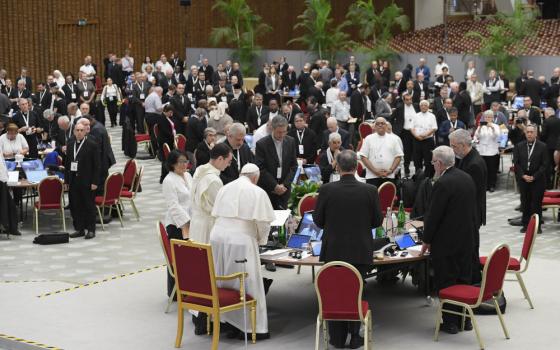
column 281, row 217
column 13, row 177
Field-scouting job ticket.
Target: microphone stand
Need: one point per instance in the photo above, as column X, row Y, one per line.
column 242, row 288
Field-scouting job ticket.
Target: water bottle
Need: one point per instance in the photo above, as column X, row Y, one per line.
column 388, row 222
column 282, row 236
column 401, row 217
column 379, row 232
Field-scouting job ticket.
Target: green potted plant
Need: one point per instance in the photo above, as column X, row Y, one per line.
column 298, row 191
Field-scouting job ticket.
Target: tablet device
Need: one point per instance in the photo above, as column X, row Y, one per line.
column 404, row 241
column 518, row 102
column 307, row 227
column 298, row 241
column 316, row 248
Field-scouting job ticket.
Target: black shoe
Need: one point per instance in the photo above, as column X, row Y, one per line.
column 270, row 267
column 356, row 342
column 468, row 325
column 90, row 235
column 491, row 189
column 450, row 328
column 523, row 229
column 200, row 324
column 516, row 223
column 16, row 233
column 267, row 282
column 515, row 218
column 337, row 346
column 539, row 231
column 77, row 234
column 518, row 208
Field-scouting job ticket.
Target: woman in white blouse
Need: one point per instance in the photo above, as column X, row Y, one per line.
column 12, row 142
column 488, row 135
column 177, row 193
column 111, row 98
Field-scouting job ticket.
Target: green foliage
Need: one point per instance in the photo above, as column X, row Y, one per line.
column 242, row 29
column 374, row 29
column 504, row 42
column 320, row 35
column 298, row 191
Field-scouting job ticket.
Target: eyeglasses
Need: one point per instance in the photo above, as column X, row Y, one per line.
column 380, row 123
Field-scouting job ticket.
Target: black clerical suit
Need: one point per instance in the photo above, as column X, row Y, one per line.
column 449, row 230
column 31, row 120
column 318, row 123
column 255, row 117
column 70, row 93
column 289, row 80
column 532, row 160
column 344, row 137
column 551, row 136
column 238, row 107
column 276, row 171
column 474, row 165
column 82, row 198
column 532, row 88
column 107, row 158
column 306, row 143
column 241, row 156
column 534, row 115
column 140, row 92
column 462, row 101
column 340, row 203
column 194, row 132
column 166, row 134
column 181, row 108
column 18, row 94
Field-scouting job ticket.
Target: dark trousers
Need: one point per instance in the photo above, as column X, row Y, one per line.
column 113, row 109
column 151, row 120
column 531, row 199
column 423, row 156
column 279, row 202
column 408, row 147
column 451, row 270
column 476, row 109
column 550, row 171
column 138, row 117
column 82, row 207
column 492, row 165
column 173, row 232
column 339, row 330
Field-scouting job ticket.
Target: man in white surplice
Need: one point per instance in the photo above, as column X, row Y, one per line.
column 243, row 214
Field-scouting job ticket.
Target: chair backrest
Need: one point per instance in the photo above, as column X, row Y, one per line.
column 307, row 203
column 387, row 192
column 494, row 272
column 529, row 239
column 365, row 129
column 113, row 188
column 339, row 291
column 129, row 173
column 165, row 245
column 138, row 180
column 50, row 190
column 194, row 270
column 166, row 151
column 180, row 142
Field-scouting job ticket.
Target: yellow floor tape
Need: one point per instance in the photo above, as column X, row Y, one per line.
column 98, row 282
column 28, row 342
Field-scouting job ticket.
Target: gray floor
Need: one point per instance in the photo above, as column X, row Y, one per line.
column 127, row 312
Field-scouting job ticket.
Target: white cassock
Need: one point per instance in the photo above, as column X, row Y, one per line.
column 243, row 215
column 205, row 187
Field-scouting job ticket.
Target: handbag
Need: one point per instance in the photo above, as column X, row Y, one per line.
column 52, row 238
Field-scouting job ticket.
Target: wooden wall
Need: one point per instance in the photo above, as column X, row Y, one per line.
column 44, row 35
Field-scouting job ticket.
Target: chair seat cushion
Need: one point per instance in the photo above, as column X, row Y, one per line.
column 48, row 206
column 99, row 201
column 142, row 137
column 552, row 193
column 551, row 201
column 513, row 264
column 126, row 194
column 226, row 297
column 344, row 315
column 461, row 292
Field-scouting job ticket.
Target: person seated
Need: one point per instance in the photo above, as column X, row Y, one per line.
column 332, row 127
column 327, row 159
column 12, row 142
column 202, row 152
column 448, row 126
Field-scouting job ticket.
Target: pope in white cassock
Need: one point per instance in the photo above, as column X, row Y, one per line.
column 243, row 214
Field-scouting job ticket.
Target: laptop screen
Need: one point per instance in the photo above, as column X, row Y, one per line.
column 298, row 241
column 316, row 248
column 404, row 241
column 35, row 176
column 313, row 173
column 307, row 227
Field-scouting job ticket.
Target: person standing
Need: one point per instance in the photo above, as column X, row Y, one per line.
column 424, row 126
column 205, row 187
column 241, row 153
column 488, row 136
column 530, row 159
column 243, row 215
column 551, row 136
column 28, row 124
column 112, row 99
column 82, row 166
column 472, row 163
column 305, row 139
column 339, row 203
column 448, row 229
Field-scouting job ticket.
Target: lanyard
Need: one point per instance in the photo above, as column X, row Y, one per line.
column 259, row 111
column 141, row 86
column 20, row 93
column 26, row 118
column 300, row 136
column 529, row 154
column 41, row 96
column 237, row 159
column 201, row 86
column 79, row 148
column 453, row 126
column 85, row 85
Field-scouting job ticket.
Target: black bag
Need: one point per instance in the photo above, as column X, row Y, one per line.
column 487, row 306
column 129, row 140
column 52, row 238
column 408, row 191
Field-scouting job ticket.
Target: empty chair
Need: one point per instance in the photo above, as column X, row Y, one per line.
column 111, row 197
column 51, row 192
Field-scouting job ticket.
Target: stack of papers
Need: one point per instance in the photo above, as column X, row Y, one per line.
column 276, row 253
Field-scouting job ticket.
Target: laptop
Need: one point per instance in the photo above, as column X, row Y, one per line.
column 298, row 241
column 313, row 173
column 404, row 241
column 518, row 102
column 316, row 248
column 35, row 176
column 307, row 227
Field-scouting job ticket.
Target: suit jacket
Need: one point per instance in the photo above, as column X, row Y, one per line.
column 178, row 78
column 318, row 123
column 383, row 109
column 289, row 80
column 33, row 120
column 450, row 228
column 107, row 158
column 348, row 211
column 344, row 136
column 88, row 164
column 202, row 153
column 165, row 134
column 182, row 108
column 372, row 77
column 358, row 107
column 438, row 104
column 462, row 102
column 352, row 82
column 208, row 72
column 253, row 117
column 117, row 75
column 425, row 88
column 244, row 155
column 534, row 115
column 67, row 89
column 532, row 88
column 14, row 94
column 398, row 118
column 238, row 108
column 268, row 162
column 475, row 166
column 42, row 103
column 539, row 161
column 551, row 132
column 309, row 142
column 318, row 94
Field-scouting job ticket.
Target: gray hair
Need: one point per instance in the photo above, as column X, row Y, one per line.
column 21, row 81
column 237, row 129
column 278, row 122
column 548, row 111
column 209, row 131
column 444, row 154
column 334, row 136
column 47, row 113
column 63, row 120
column 347, row 161
column 488, row 113
column 425, row 102
column 461, row 136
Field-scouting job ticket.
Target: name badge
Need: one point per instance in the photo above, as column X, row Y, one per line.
column 86, row 93
column 74, row 166
column 142, row 96
column 224, row 99
column 73, row 95
column 335, row 177
column 279, row 172
column 111, row 98
column 300, row 149
column 189, row 96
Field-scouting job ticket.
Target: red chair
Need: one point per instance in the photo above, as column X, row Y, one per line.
column 307, row 203
column 166, row 246
column 339, row 291
column 51, row 193
column 365, row 129
column 514, row 265
column 552, row 193
column 130, row 195
column 144, row 139
column 166, row 151
column 195, row 281
column 552, row 203
column 469, row 297
column 181, row 142
column 387, row 192
column 361, row 169
column 129, row 174
column 111, row 197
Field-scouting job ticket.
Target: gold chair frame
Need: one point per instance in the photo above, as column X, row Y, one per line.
column 63, row 216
